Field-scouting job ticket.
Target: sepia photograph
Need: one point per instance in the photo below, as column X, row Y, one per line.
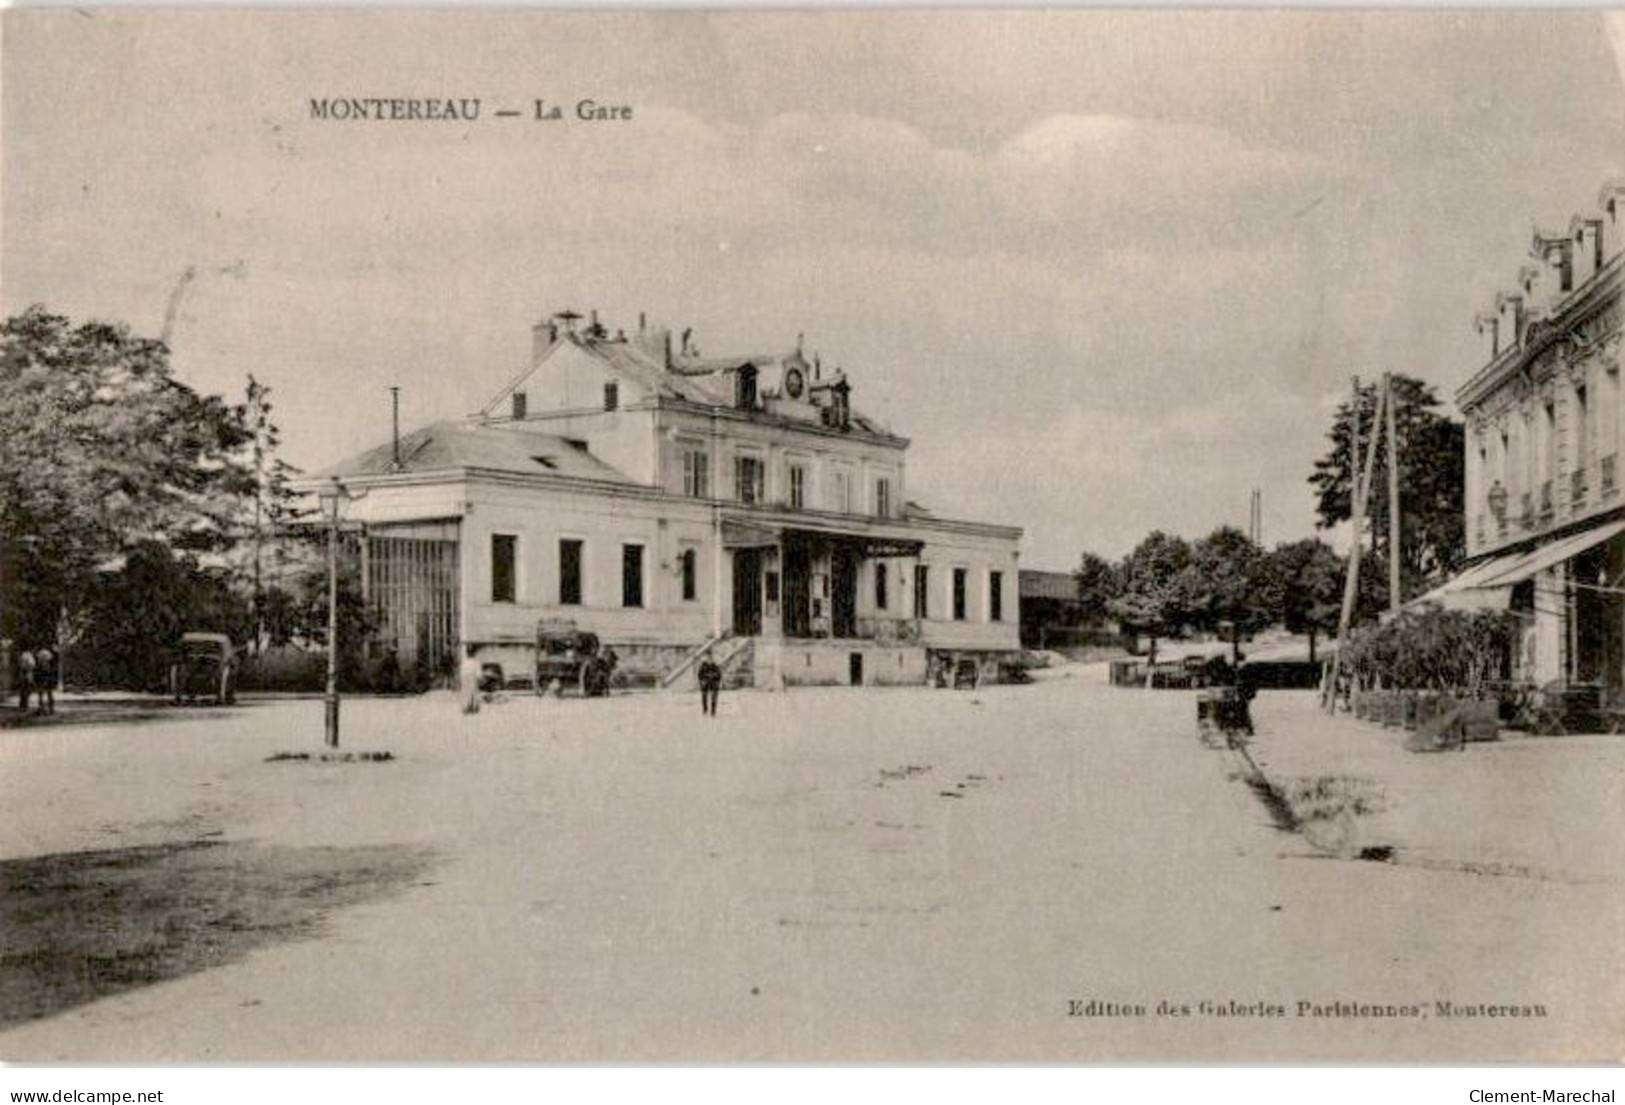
column 922, row 536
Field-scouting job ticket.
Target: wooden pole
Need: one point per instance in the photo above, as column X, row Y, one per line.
column 1351, row 579
column 1394, row 594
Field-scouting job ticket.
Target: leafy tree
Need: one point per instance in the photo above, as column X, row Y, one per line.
column 1148, row 599
column 1308, row 588
column 1431, row 480
column 1227, row 584
column 1097, row 586
column 102, row 453
column 147, row 603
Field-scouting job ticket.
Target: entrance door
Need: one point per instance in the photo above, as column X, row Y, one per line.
column 843, row 593
column 855, row 669
column 797, row 591
column 747, row 592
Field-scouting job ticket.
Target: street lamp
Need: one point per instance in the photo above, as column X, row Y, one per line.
column 332, row 496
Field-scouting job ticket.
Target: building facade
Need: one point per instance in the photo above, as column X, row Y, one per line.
column 1545, row 520
column 671, row 502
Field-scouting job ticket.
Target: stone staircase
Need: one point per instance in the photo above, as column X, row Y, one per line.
column 734, row 655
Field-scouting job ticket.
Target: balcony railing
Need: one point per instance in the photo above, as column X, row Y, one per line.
column 1606, row 484
column 1577, row 488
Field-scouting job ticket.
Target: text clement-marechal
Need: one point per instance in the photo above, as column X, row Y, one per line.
column 387, row 109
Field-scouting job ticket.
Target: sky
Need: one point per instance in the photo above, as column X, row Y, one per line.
column 1109, row 271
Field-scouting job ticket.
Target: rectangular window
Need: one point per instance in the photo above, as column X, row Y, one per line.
column 748, row 472
column 840, row 492
column 798, row 486
column 569, row 572
column 503, row 561
column 922, row 591
column 518, row 406
column 696, row 474
column 881, row 596
column 612, row 395
column 959, row 594
column 883, row 497
column 631, row 575
column 690, row 575
column 995, row 596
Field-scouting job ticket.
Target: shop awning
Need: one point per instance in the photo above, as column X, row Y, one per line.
column 1488, row 585
column 1550, row 555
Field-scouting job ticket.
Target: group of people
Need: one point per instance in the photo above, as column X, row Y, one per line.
column 37, row 675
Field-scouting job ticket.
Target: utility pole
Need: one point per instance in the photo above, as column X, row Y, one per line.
column 1394, row 595
column 1351, row 579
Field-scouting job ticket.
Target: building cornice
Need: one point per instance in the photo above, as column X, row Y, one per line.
column 1586, row 301
column 648, row 493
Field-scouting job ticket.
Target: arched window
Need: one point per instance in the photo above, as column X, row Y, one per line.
column 688, row 562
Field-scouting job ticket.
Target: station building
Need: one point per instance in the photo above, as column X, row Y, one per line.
column 671, row 502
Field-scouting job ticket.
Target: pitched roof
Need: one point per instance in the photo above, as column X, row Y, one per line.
column 706, row 381
column 507, row 447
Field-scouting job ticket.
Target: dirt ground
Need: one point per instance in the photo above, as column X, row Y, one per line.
column 1053, row 872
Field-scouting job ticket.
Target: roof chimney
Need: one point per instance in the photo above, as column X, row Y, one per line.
column 687, row 333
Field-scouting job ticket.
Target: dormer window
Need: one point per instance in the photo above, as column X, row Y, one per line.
column 518, row 406
column 745, row 388
column 612, row 395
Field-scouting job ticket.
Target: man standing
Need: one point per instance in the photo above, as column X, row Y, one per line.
column 468, row 679
column 710, row 676
column 45, row 677
column 25, row 677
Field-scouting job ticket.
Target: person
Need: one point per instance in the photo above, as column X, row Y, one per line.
column 468, row 681
column 25, row 678
column 45, row 677
column 710, row 676
column 389, row 672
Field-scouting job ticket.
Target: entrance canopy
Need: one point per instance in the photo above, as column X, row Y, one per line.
column 1488, row 585
column 743, row 533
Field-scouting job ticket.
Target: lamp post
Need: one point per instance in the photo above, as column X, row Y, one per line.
column 333, row 496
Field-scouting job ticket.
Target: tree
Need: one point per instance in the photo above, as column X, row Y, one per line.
column 102, row 452
column 1148, row 597
column 1227, row 585
column 273, row 511
column 1308, row 588
column 1431, row 479
column 1097, row 585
